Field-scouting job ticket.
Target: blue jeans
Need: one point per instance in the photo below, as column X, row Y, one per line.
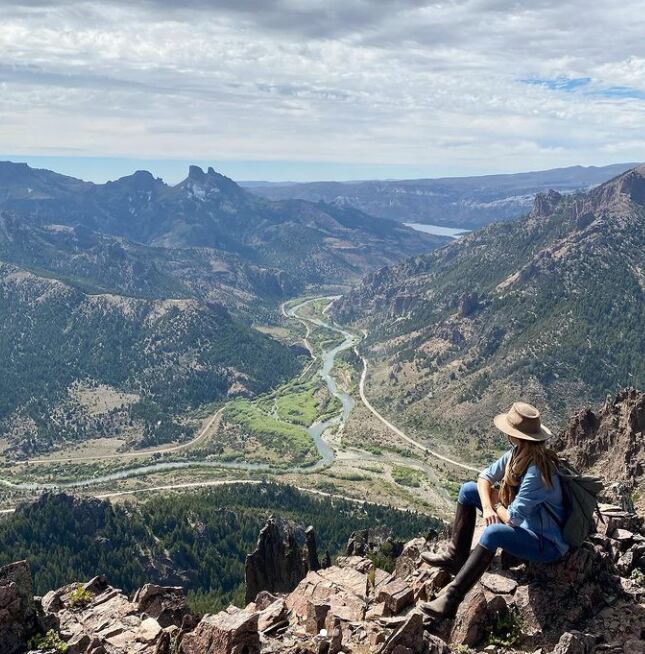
column 520, row 542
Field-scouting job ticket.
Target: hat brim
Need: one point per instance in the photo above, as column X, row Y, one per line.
column 501, row 422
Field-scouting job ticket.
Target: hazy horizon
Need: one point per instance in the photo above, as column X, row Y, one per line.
column 101, row 170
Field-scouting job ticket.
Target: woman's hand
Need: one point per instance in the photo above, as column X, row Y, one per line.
column 491, row 517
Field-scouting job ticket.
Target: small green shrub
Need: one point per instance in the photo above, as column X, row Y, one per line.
column 50, row 641
column 384, row 557
column 80, row 597
column 506, row 630
column 638, row 577
column 405, row 476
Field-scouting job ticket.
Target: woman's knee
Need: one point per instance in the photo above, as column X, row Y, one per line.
column 494, row 536
column 468, row 494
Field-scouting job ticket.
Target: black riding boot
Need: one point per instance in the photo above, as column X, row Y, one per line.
column 445, row 606
column 454, row 556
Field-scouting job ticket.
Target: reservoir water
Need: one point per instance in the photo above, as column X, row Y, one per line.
column 437, row 230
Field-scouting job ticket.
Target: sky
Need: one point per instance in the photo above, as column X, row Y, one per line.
column 321, row 89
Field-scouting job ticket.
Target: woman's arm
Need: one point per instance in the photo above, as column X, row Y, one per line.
column 502, row 514
column 530, row 495
column 487, row 495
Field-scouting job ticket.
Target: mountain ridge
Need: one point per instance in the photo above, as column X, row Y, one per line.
column 89, row 271
column 548, row 308
column 333, row 244
column 464, row 202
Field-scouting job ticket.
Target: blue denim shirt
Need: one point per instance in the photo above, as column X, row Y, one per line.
column 527, row 509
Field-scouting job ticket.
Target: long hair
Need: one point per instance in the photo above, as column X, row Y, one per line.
column 525, row 454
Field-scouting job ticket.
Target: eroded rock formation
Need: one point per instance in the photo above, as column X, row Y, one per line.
column 610, row 442
column 283, row 556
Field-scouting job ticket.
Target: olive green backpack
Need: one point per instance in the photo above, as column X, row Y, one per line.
column 580, row 500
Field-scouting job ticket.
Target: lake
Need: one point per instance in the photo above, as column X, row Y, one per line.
column 437, row 230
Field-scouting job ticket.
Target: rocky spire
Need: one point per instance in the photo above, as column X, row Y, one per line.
column 280, row 560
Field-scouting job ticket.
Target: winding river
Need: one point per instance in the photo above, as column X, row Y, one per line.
column 316, row 430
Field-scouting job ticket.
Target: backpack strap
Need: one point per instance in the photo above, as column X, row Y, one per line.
column 553, row 514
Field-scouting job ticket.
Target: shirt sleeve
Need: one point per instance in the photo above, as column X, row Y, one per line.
column 530, row 495
column 495, row 471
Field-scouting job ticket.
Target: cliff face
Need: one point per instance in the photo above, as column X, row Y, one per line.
column 610, row 443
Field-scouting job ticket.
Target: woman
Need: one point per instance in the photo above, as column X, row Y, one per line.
column 519, row 517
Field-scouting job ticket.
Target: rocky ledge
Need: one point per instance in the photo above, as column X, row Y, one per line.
column 591, row 601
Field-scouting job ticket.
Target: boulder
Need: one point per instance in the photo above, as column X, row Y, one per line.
column 344, row 589
column 470, row 622
column 396, row 595
column 581, row 564
column 273, row 615
column 409, row 560
column 224, row 633
column 498, row 583
column 264, row 599
column 407, row 638
column 574, row 642
column 316, row 616
column 434, row 580
column 166, row 604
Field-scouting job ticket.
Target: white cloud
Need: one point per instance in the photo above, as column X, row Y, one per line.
column 381, row 81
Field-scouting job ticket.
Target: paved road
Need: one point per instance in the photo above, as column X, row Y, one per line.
column 361, row 389
column 395, row 429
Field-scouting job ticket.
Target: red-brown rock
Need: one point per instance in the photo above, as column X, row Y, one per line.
column 224, row 633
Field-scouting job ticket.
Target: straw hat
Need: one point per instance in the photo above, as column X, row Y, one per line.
column 522, row 421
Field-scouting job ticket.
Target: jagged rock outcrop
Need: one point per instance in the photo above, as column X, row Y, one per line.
column 18, row 613
column 228, row 632
column 590, row 601
column 95, row 617
column 544, row 204
column 611, row 443
column 167, row 605
column 283, row 556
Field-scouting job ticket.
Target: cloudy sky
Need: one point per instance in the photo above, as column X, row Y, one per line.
column 321, row 89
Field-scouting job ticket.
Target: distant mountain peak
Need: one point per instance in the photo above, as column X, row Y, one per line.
column 200, row 184
column 614, row 194
column 632, row 183
column 11, row 168
column 140, row 180
column 142, row 174
column 196, row 173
